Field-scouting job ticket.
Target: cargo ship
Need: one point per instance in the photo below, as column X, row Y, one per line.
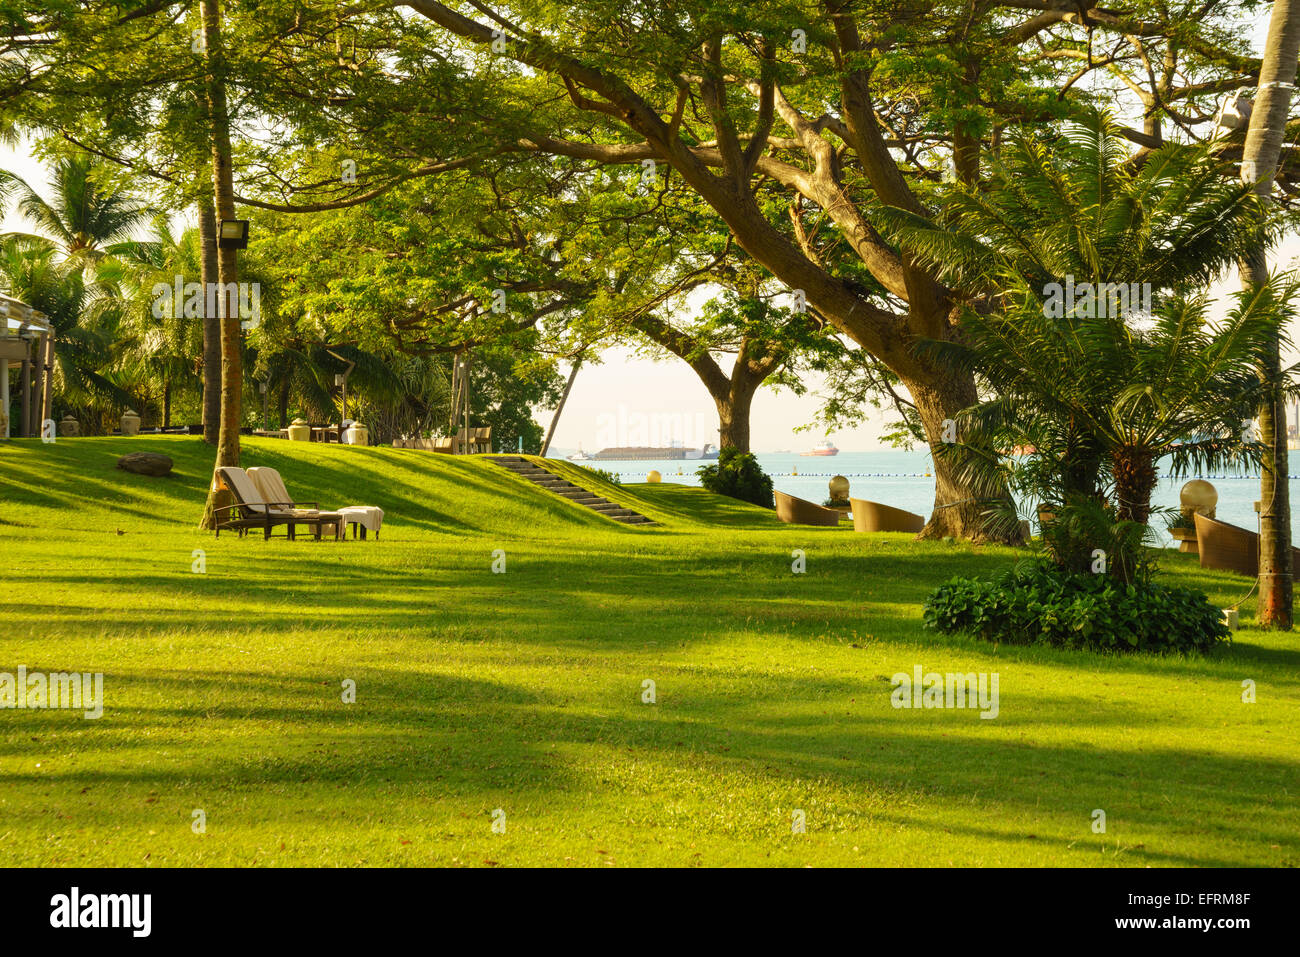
column 823, row 448
column 673, row 453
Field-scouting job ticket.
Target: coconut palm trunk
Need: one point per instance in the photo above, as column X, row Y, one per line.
column 211, row 325
column 1259, row 164
column 227, row 259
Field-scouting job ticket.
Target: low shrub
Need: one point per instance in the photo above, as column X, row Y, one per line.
column 613, row 478
column 1040, row 603
column 738, row 475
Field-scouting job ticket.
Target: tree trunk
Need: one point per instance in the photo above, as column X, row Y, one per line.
column 1259, row 166
column 211, row 325
column 1135, row 480
column 959, row 507
column 733, row 412
column 227, row 259
column 559, row 408
column 167, row 404
column 283, row 402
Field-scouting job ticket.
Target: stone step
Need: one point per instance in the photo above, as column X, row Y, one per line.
column 563, row 488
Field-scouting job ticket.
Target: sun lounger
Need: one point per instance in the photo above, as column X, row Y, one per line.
column 797, row 511
column 874, row 517
column 253, row 509
column 1229, row 547
column 271, row 485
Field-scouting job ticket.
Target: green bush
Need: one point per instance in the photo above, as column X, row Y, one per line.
column 738, row 475
column 1041, row 603
column 613, row 478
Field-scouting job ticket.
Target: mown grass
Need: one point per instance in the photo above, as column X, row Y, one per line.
column 523, row 691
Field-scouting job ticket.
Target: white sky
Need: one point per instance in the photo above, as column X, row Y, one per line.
column 624, row 397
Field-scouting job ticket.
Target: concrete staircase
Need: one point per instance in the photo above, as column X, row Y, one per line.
column 566, row 489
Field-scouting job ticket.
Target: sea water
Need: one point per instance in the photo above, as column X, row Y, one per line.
column 899, row 478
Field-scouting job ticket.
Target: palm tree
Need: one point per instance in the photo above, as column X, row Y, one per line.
column 1260, row 155
column 1100, row 400
column 160, row 351
column 1078, row 206
column 85, row 316
column 86, row 214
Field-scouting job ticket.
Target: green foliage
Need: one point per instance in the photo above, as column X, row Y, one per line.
column 1080, row 528
column 738, row 475
column 1073, row 202
column 1040, row 603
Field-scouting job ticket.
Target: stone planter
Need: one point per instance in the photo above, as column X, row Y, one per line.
column 357, row 434
column 299, row 431
column 130, row 422
column 1186, row 537
column 69, row 427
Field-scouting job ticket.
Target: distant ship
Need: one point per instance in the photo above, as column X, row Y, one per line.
column 708, row 452
column 579, row 456
column 641, row 452
column 823, row 448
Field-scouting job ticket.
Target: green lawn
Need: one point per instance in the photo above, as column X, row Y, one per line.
column 522, row 691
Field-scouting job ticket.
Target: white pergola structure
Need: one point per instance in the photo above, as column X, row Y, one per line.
column 26, row 344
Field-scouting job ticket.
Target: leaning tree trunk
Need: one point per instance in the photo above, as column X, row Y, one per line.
column 1259, row 164
column 959, row 506
column 211, row 325
column 227, row 259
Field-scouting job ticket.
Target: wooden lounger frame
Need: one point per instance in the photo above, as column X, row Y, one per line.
column 249, row 518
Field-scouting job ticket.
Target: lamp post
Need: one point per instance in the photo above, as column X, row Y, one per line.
column 341, row 379
column 266, row 419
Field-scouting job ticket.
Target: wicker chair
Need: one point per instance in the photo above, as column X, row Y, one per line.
column 874, row 517
column 796, row 511
column 1226, row 547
